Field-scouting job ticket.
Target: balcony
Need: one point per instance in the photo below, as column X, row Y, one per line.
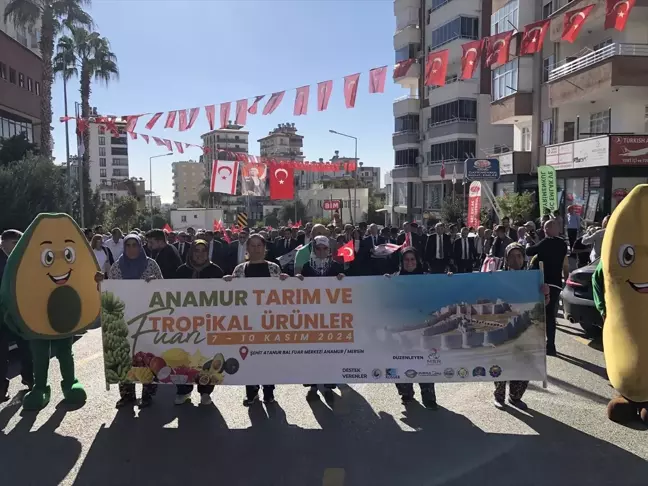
column 405, row 172
column 407, row 74
column 581, row 79
column 515, row 108
column 454, row 89
column 460, row 126
column 409, row 34
column 406, row 105
column 400, row 5
column 406, row 137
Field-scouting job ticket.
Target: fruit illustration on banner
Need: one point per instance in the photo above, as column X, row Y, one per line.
column 117, row 353
column 177, row 357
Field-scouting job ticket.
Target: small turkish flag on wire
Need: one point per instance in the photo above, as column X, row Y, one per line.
column 351, row 89
column 324, row 89
column 377, row 79
column 301, row 101
column 347, row 252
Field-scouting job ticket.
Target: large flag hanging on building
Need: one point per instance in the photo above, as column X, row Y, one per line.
column 436, row 67
column 472, row 53
column 282, row 182
column 533, row 37
column 497, row 48
column 573, row 22
column 224, row 176
column 617, row 13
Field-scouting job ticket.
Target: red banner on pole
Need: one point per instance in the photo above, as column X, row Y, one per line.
column 474, row 205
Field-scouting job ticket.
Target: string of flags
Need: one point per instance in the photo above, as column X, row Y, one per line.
column 495, row 49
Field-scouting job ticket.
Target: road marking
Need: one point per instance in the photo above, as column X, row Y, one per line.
column 92, row 357
column 333, row 476
column 582, row 340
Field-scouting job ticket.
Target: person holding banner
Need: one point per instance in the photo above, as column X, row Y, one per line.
column 321, row 264
column 198, row 265
column 257, row 266
column 411, row 265
column 135, row 265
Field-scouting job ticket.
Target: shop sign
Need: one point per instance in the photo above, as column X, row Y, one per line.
column 482, row 169
column 560, row 156
column 591, row 152
column 506, row 164
column 629, row 150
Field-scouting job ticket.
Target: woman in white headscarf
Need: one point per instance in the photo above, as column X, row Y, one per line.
column 321, row 264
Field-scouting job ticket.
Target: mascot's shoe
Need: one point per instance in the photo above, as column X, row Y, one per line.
column 621, row 410
column 37, row 399
column 74, row 394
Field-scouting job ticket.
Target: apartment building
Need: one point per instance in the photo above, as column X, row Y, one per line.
column 580, row 107
column 20, row 80
column 437, row 128
column 188, row 180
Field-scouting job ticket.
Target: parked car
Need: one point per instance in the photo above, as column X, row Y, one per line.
column 578, row 299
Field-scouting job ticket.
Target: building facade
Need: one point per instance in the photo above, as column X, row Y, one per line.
column 437, row 127
column 580, row 107
column 188, row 180
column 20, row 80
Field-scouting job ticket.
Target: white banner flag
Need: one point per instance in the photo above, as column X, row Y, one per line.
column 224, row 176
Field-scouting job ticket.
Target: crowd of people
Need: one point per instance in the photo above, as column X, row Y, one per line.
column 248, row 253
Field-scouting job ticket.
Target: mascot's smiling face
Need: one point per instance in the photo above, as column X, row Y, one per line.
column 625, row 266
column 55, row 292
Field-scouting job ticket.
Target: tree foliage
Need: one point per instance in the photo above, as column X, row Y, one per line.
column 123, row 214
column 16, row 148
column 451, row 210
column 517, row 206
column 288, row 212
column 272, row 219
column 29, row 187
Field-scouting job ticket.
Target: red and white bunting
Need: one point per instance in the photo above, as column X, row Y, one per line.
column 224, row 114
column 170, row 121
column 301, row 101
column 210, row 112
column 151, row 123
column 241, row 112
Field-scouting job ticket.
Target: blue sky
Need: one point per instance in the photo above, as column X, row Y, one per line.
column 183, row 54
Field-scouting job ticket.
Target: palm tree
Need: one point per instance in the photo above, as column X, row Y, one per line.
column 87, row 55
column 51, row 14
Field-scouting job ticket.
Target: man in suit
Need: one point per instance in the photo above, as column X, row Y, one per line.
column 410, row 232
column 511, row 232
column 367, row 265
column 481, row 247
column 501, row 241
column 438, row 250
column 216, row 249
column 237, row 251
column 286, row 244
column 182, row 246
column 464, row 253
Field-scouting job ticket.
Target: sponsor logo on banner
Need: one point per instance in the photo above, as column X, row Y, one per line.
column 411, row 373
column 495, row 371
column 462, row 372
column 409, row 357
column 353, row 374
column 376, row 373
column 632, row 150
column 392, row 374
column 433, row 358
column 448, row 372
column 429, row 373
column 479, row 371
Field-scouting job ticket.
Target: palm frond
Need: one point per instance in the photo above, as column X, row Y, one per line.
column 23, row 13
column 70, row 12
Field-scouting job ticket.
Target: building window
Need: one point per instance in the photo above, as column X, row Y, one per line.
column 3, row 70
column 183, row 219
column 104, row 182
column 21, row 80
column 505, row 80
column 120, row 172
column 438, row 4
column 418, row 195
column 433, row 196
column 102, row 173
column 102, row 140
column 452, row 151
column 102, row 151
column 12, row 75
column 102, row 161
column 458, row 110
column 119, row 150
column 102, row 130
column 408, row 52
column 525, row 138
column 547, row 65
column 506, row 18
column 30, row 84
column 406, row 123
column 601, row 45
column 599, row 122
column 37, row 88
column 458, row 28
column 119, row 162
column 405, row 157
column 547, row 9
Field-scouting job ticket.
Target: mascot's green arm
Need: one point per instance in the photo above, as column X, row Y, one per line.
column 598, row 287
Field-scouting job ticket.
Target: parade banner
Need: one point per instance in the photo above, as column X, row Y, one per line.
column 420, row 328
column 474, row 204
column 547, row 189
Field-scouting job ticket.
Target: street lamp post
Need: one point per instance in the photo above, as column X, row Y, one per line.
column 355, row 188
column 151, row 183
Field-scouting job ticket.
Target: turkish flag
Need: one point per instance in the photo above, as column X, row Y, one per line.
column 347, row 252
column 323, row 94
column 472, row 53
column 273, row 103
column 442, row 172
column 282, row 182
column 253, row 107
column 436, row 67
column 401, row 68
column 301, row 101
column 497, row 48
column 241, row 112
column 130, row 125
column 170, row 121
column 167, row 228
column 617, row 13
column 351, row 89
column 151, row 123
column 533, row 37
column 573, row 22
column 210, row 111
column 224, row 114
column 377, row 79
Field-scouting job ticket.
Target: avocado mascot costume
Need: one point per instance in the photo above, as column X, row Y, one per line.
column 620, row 285
column 49, row 294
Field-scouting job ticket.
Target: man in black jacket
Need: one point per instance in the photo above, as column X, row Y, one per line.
column 182, row 245
column 286, row 244
column 438, row 250
column 166, row 256
column 216, row 250
column 464, row 253
column 9, row 240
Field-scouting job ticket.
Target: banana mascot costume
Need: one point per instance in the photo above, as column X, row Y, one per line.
column 48, row 295
column 621, row 295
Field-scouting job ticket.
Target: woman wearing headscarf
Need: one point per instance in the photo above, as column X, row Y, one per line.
column 411, row 265
column 135, row 265
column 198, row 266
column 321, row 264
column 256, row 266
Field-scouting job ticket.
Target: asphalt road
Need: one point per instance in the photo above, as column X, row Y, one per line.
column 366, row 438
